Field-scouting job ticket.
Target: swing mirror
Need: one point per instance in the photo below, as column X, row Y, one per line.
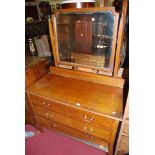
column 86, row 38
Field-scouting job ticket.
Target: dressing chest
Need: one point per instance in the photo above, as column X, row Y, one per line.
column 82, row 96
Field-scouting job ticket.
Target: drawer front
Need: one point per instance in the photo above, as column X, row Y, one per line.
column 73, row 112
column 69, row 131
column 84, row 127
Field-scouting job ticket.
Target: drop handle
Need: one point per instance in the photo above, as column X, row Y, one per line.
column 48, row 115
column 52, row 125
column 89, row 137
column 86, row 136
column 89, row 130
column 45, row 104
column 88, row 120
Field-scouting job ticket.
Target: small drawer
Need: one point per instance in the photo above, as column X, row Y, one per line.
column 69, row 131
column 126, row 128
column 74, row 112
column 72, row 123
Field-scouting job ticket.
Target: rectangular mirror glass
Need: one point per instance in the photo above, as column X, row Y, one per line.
column 85, row 38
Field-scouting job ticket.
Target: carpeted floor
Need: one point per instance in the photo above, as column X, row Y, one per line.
column 51, row 143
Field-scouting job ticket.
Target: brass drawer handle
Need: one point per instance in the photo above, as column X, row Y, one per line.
column 91, row 130
column 45, row 104
column 86, row 136
column 88, row 120
column 52, row 125
column 48, row 115
column 85, row 128
column 89, row 137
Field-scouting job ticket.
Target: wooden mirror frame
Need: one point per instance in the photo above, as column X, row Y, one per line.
column 53, row 35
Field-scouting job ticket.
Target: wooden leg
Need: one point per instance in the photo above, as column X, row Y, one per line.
column 110, row 150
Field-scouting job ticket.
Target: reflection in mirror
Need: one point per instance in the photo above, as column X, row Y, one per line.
column 85, row 38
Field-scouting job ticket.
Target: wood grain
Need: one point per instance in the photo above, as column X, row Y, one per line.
column 72, row 123
column 69, row 131
column 95, row 97
column 73, row 103
column 53, row 40
column 74, row 112
column 33, row 72
column 92, row 77
column 120, row 37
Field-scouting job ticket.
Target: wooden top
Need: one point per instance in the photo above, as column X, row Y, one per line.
column 98, row 98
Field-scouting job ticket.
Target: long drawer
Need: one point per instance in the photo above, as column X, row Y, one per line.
column 74, row 112
column 69, row 131
column 67, row 121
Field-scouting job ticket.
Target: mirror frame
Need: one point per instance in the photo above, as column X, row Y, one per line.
column 53, row 36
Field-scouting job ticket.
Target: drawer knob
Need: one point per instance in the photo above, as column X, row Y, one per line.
column 43, row 103
column 88, row 120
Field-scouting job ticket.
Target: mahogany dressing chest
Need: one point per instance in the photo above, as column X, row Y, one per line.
column 82, row 96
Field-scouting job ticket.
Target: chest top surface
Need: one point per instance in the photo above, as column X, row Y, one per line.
column 98, row 98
